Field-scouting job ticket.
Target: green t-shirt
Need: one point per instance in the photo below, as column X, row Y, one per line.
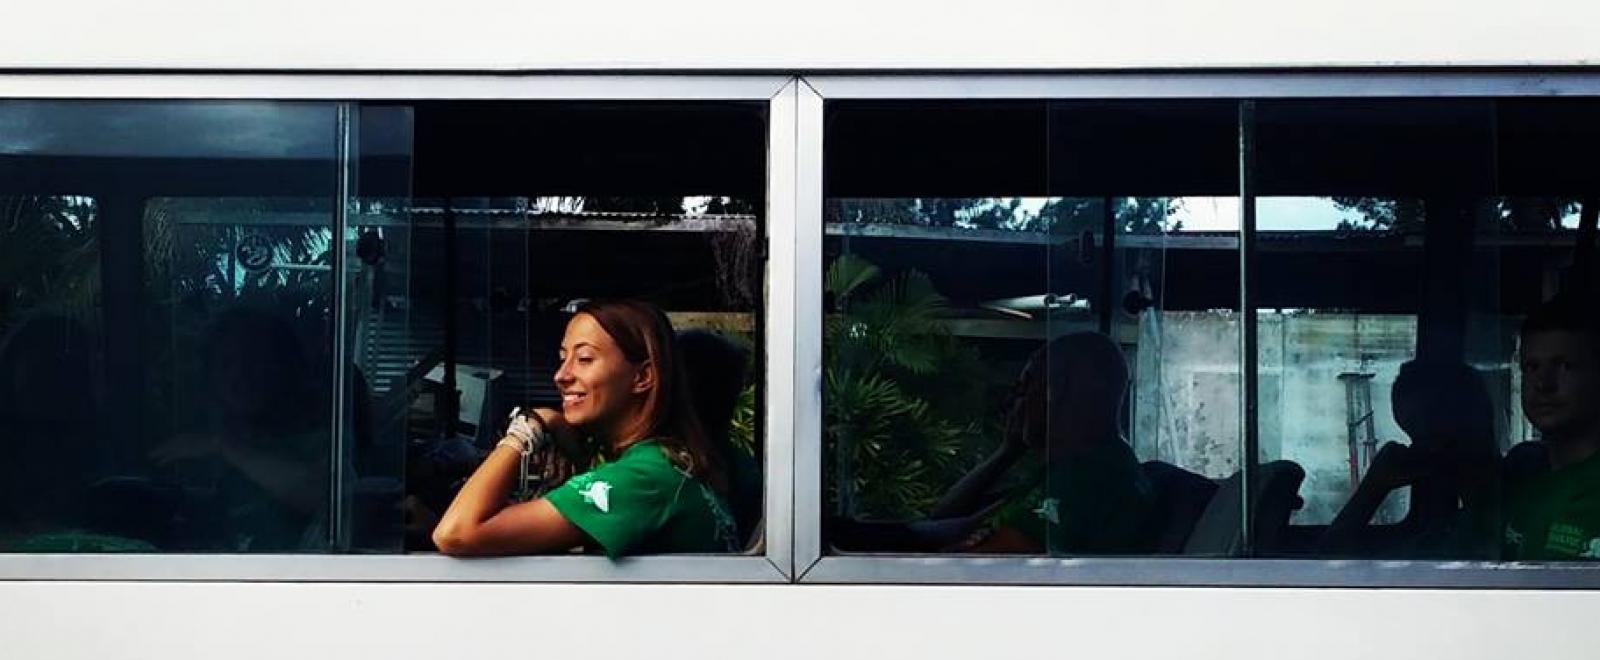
column 643, row 504
column 1556, row 516
column 1095, row 502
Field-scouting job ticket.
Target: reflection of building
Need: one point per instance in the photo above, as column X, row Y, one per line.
column 1314, row 329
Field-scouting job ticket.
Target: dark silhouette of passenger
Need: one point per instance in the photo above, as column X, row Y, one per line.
column 1556, row 515
column 1088, row 494
column 266, row 437
column 716, row 369
column 1451, row 465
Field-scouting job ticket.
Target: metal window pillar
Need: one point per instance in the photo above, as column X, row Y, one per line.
column 1249, row 378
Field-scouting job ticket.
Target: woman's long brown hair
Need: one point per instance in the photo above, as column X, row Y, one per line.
column 643, row 333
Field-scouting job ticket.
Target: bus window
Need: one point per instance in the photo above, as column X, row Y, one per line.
column 479, row 228
column 166, row 335
column 1401, row 245
column 1009, row 288
column 170, row 358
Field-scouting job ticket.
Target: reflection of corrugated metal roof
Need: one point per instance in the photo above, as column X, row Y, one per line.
column 617, row 215
column 1311, row 241
column 513, row 219
column 501, row 219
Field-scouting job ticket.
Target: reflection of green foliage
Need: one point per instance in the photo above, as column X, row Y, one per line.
column 901, row 392
column 1135, row 215
column 191, row 261
column 50, row 264
column 1380, row 214
column 1514, row 214
column 191, row 274
column 742, row 433
column 49, row 258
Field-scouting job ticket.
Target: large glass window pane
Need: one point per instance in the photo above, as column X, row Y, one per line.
column 166, row 347
column 1402, row 244
column 484, row 225
column 1154, row 234
column 1028, row 310
column 1545, row 212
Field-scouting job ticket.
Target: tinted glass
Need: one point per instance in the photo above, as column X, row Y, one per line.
column 166, row 350
column 1027, row 327
column 1402, row 244
column 477, row 229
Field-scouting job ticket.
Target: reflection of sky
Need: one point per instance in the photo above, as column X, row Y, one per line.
column 186, row 129
column 1222, row 213
column 1272, row 214
column 1212, row 213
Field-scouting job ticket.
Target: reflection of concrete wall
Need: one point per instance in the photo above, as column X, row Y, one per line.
column 1186, row 393
column 1186, row 402
column 1306, row 420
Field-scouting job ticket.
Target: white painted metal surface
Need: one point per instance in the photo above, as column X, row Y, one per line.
column 720, row 35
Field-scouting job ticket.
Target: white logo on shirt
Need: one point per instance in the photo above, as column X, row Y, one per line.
column 599, row 494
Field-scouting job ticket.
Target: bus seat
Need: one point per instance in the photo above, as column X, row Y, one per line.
column 1275, row 497
column 1181, row 498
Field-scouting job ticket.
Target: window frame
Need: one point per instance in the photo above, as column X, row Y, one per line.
column 813, row 566
column 794, row 315
column 773, row 565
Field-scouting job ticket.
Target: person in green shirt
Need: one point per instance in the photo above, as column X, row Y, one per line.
column 1556, row 515
column 659, row 486
column 1452, row 466
column 1087, row 494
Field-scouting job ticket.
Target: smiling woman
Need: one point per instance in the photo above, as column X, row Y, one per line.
column 655, row 489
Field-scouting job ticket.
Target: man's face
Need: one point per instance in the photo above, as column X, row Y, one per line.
column 1561, row 383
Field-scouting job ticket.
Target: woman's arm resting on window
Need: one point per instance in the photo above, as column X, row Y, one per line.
column 478, row 523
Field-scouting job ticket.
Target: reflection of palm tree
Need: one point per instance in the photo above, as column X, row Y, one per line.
column 889, row 360
column 192, row 247
column 192, row 274
column 49, row 258
column 1511, row 214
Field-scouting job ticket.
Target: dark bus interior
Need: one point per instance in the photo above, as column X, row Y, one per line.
column 465, row 241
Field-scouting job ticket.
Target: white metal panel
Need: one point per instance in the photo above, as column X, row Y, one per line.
column 1191, row 571
column 389, row 86
column 166, row 621
column 420, row 567
column 820, row 34
column 1281, row 84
